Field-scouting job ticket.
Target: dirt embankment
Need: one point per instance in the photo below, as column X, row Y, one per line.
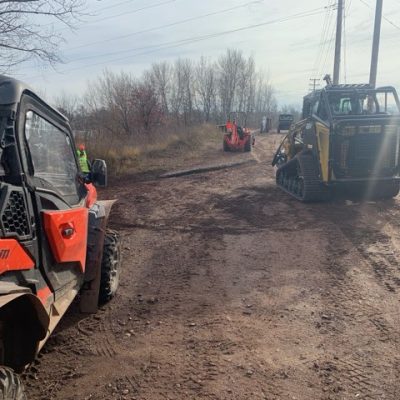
column 232, row 290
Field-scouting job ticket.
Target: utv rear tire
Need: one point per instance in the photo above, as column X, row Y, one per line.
column 11, row 387
column 110, row 266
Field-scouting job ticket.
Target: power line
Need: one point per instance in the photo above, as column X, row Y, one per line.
column 384, row 17
column 92, row 21
column 345, row 43
column 314, row 83
column 328, row 51
column 325, row 31
column 322, row 38
column 115, row 5
column 204, row 37
column 165, row 26
column 328, row 43
column 182, row 42
column 132, row 12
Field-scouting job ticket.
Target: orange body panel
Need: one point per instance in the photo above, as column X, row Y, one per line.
column 233, row 140
column 13, row 257
column 44, row 294
column 91, row 196
column 67, row 233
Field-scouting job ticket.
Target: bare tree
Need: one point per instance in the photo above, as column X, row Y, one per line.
column 229, row 66
column 206, row 86
column 160, row 77
column 120, row 107
column 182, row 93
column 246, row 87
column 148, row 110
column 265, row 101
column 68, row 105
column 26, row 29
column 110, row 98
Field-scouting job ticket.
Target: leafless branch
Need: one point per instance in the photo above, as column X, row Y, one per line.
column 26, row 29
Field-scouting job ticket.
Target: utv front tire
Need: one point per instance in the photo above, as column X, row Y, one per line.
column 110, row 266
column 11, row 387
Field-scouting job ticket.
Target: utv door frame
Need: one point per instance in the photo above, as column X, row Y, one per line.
column 30, row 103
column 61, row 278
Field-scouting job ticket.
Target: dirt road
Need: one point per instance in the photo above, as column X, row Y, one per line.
column 232, row 290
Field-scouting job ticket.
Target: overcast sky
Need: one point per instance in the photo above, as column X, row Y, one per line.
column 293, row 41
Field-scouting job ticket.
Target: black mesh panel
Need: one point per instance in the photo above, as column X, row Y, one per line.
column 14, row 217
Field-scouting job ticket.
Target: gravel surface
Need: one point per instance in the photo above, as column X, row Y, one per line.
column 230, row 289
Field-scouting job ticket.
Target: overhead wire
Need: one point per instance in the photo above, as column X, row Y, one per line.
column 115, row 5
column 132, row 12
column 181, row 42
column 183, row 21
column 323, row 36
column 92, row 21
column 346, row 15
column 383, row 16
column 329, row 51
column 325, row 41
column 331, row 32
column 344, row 41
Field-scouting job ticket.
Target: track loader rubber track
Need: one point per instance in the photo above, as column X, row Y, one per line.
column 11, row 387
column 299, row 177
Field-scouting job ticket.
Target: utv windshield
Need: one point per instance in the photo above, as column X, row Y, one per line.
column 367, row 102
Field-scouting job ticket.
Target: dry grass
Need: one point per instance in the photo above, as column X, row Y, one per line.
column 163, row 151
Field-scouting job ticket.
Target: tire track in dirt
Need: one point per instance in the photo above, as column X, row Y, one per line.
column 233, row 290
column 353, row 312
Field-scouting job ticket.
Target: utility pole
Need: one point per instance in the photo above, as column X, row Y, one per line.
column 375, row 44
column 338, row 45
column 314, row 83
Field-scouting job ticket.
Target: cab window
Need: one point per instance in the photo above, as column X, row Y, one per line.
column 52, row 159
column 387, row 103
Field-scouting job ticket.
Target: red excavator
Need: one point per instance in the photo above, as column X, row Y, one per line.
column 237, row 138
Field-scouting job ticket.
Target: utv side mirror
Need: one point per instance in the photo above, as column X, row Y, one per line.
column 98, row 173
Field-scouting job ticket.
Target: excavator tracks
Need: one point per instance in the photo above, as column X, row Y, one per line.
column 299, row 178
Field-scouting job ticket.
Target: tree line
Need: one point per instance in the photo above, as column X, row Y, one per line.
column 170, row 94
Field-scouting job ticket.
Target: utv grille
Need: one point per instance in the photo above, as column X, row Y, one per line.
column 14, row 217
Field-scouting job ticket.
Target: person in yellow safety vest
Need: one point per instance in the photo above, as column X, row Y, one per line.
column 83, row 160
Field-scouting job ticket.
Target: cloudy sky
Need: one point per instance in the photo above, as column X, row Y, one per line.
column 291, row 40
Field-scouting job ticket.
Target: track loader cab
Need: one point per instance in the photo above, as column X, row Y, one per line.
column 348, row 137
column 52, row 228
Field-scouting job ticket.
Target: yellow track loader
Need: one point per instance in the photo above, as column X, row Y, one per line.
column 349, row 138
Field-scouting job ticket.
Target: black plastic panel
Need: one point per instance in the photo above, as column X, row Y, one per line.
column 14, row 214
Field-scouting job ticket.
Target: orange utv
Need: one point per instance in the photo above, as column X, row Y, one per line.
column 54, row 240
